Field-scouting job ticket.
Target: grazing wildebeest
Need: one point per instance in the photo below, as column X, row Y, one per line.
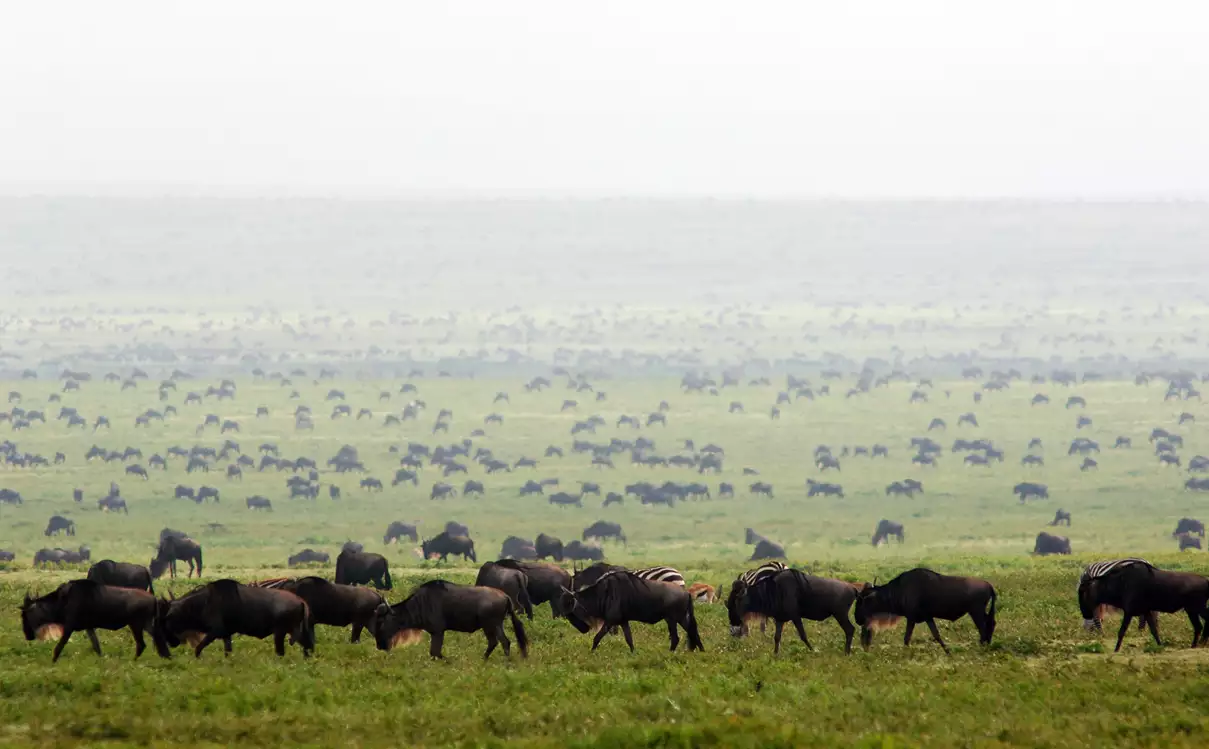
column 444, row 544
column 1028, row 489
column 362, row 568
column 1049, row 544
column 1189, row 525
column 581, row 552
column 224, row 608
column 921, row 595
column 1189, row 541
column 184, row 492
column 62, row 556
column 112, row 504
column 1140, row 589
column 333, row 604
column 545, row 582
column 766, row 549
column 761, row 488
column 790, row 596
column 88, row 605
column 398, row 529
column 548, row 546
column 438, row 606
column 726, row 490
column 121, row 575
column 563, row 499
column 515, row 547
column 509, row 579
column 814, row 488
column 174, row 548
column 1061, row 517
column 207, row 492
column 58, row 524
column 7, row 556
column 603, row 529
column 612, row 498
column 885, row 529
column 258, row 502
column 442, row 490
column 309, row 556
column 751, row 537
column 620, row 596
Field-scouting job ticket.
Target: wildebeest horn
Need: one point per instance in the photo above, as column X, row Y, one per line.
column 171, row 596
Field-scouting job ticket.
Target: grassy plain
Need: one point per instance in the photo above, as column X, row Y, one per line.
column 1043, row 683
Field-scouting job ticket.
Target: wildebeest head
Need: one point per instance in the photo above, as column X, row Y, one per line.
column 180, row 620
column 736, row 607
column 403, row 623
column 37, row 614
column 875, row 610
column 158, row 566
column 1089, row 603
column 576, row 613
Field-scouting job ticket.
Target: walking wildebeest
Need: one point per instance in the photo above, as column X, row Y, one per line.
column 1049, row 544
column 224, row 608
column 121, row 575
column 1189, row 541
column 259, row 503
column 620, row 596
column 1189, row 525
column 334, row 604
column 89, row 606
column 1028, row 489
column 544, row 582
column 603, row 529
column 309, row 556
column 174, row 548
column 1061, row 517
column 766, row 549
column 509, row 579
column 1139, row 589
column 362, row 568
column 438, row 606
column 444, row 544
column 921, row 595
column 58, row 524
column 885, row 529
column 548, row 546
column 790, row 596
column 397, row 530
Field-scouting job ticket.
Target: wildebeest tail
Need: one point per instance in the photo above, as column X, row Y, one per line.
column 525, row 602
column 522, row 640
column 306, row 630
column 991, row 618
column 199, row 561
column 694, row 636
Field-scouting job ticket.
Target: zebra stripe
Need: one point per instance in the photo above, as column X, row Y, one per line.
column 273, row 583
column 1097, row 570
column 751, row 577
column 669, row 575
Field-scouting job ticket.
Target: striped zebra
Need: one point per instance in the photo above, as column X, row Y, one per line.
column 669, row 575
column 661, row 574
column 1095, row 571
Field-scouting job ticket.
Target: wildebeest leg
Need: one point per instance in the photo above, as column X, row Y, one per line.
column 139, row 643
column 1196, row 625
column 936, row 634
column 629, row 638
column 797, row 623
column 1125, row 620
column 908, row 633
column 600, row 635
column 357, row 627
column 279, row 642
column 96, row 644
column 62, row 642
column 673, row 636
column 205, row 642
column 1152, row 621
column 866, row 637
column 776, row 637
column 492, row 640
column 502, row 636
column 849, row 630
column 436, row 642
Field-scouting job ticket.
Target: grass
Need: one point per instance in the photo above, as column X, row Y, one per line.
column 1044, row 682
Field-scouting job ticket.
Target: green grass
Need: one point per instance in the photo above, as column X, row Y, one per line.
column 1044, row 682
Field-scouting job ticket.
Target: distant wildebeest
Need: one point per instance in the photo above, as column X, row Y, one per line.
column 224, row 608
column 444, row 544
column 399, row 530
column 581, row 552
column 510, row 580
column 455, row 528
column 515, row 547
column 612, row 498
column 548, row 546
column 766, row 549
column 184, row 492
column 791, row 596
column 207, row 492
column 761, row 488
column 1026, row 489
column 603, row 529
column 137, row 470
column 442, row 491
column 1032, row 460
column 921, row 595
column 619, row 597
column 258, row 502
column 89, row 606
column 1123, row 442
column 563, row 499
column 174, row 548
column 333, row 604
column 121, row 575
column 1088, row 464
column 1189, row 541
column 1189, row 525
column 472, row 487
column 886, row 529
column 7, row 556
column 1061, row 517
column 814, row 488
column 1139, row 589
column 59, row 524
column 363, row 568
column 44, row 557
column 1050, row 544
column 309, row 556
column 439, row 606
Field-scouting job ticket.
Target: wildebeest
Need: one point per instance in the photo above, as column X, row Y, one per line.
column 790, row 596
column 603, row 529
column 563, row 499
column 58, row 524
column 121, row 575
column 173, row 548
column 512, row 581
column 766, row 549
column 1026, row 489
column 515, row 547
column 258, row 502
column 620, row 596
column 814, row 488
column 333, row 604
column 1189, row 525
column 444, row 544
column 112, row 504
column 921, row 595
column 88, row 605
column 362, row 568
column 1140, row 589
column 438, row 606
column 1189, row 541
column 224, row 608
column 398, row 530
column 1061, row 517
column 582, row 552
column 544, row 581
column 61, row 556
column 1050, row 544
column 455, row 528
column 885, row 529
column 309, row 556
column 548, row 546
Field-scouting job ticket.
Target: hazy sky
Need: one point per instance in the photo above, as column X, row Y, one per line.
column 866, row 98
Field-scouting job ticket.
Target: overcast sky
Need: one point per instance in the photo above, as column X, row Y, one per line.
column 818, row 99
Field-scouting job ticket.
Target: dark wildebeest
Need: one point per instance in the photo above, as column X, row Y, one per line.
column 444, row 544
column 1061, row 517
column 1049, row 544
column 766, row 549
column 603, row 529
column 1189, row 525
column 455, row 528
column 334, row 604
column 1189, row 541
column 1138, row 589
column 1028, row 489
column 563, row 499
column 620, row 596
column 790, row 596
column 751, row 537
column 309, row 556
column 438, row 606
column 174, row 548
column 89, row 606
column 362, row 568
column 544, row 581
column 548, row 546
column 885, row 529
column 112, row 504
column 62, row 556
column 224, row 608
column 58, row 524
column 582, row 552
column 121, row 575
column 515, row 547
column 259, row 503
column 509, row 579
column 921, row 595
column 398, row 530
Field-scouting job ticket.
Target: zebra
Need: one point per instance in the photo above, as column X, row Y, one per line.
column 1095, row 571
column 661, row 574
